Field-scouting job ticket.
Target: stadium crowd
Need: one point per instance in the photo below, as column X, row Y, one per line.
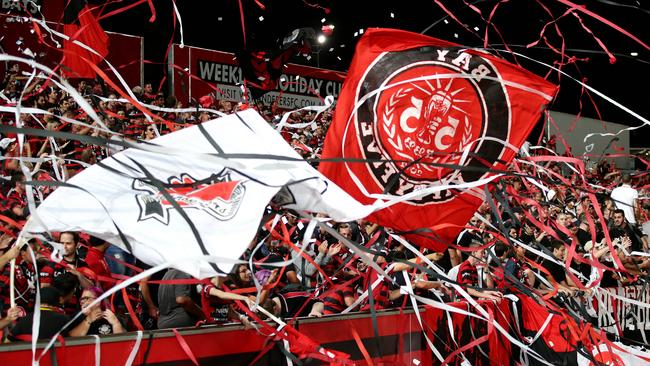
column 518, row 242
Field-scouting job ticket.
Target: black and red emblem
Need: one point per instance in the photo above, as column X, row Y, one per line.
column 430, row 105
column 219, row 196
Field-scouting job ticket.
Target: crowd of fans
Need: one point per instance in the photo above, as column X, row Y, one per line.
column 519, row 242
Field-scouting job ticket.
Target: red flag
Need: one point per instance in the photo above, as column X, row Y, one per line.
column 81, row 25
column 412, row 125
column 555, row 343
column 263, row 69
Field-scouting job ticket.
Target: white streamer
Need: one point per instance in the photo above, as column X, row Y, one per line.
column 419, row 318
column 329, row 101
column 98, row 350
column 612, row 101
column 471, row 300
column 180, row 23
column 134, row 351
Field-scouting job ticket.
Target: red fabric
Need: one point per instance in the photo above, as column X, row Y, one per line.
column 215, row 309
column 556, row 335
column 305, row 347
column 185, row 347
column 474, row 339
column 90, row 33
column 428, row 121
column 380, row 293
column 97, row 263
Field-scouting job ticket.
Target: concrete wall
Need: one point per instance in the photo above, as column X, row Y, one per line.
column 574, row 133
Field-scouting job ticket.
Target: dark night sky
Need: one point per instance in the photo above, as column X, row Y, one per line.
column 217, row 25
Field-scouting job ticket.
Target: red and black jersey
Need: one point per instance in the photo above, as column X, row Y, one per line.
column 467, row 274
column 51, row 270
column 25, row 285
column 334, row 299
column 295, row 302
column 215, row 309
column 24, row 296
column 133, row 129
column 380, row 293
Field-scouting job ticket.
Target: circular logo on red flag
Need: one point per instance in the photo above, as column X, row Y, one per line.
column 421, row 110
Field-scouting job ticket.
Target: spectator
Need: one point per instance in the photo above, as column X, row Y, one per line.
column 23, row 289
column 383, row 292
column 119, row 260
column 294, row 300
column 12, row 315
column 517, row 269
column 465, row 238
column 218, row 305
column 625, row 197
column 468, row 275
column 98, row 320
column 622, row 228
column 97, row 262
column 340, row 296
column 71, row 261
column 52, row 319
column 149, row 133
column 70, row 289
column 557, row 273
column 177, row 304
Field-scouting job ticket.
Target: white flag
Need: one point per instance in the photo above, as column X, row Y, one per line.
column 221, row 201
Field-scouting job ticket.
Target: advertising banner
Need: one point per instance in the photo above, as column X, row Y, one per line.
column 196, row 72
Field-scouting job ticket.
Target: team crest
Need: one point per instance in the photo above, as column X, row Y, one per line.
column 433, row 105
column 219, row 196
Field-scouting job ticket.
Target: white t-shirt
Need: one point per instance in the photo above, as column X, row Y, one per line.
column 624, row 197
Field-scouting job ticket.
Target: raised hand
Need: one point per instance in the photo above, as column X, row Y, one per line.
column 322, row 248
column 109, row 316
column 334, row 249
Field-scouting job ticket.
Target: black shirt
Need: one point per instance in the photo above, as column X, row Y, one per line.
column 51, row 323
column 583, row 236
column 633, row 233
column 608, row 279
column 557, row 271
column 465, row 239
column 295, row 301
column 100, row 326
